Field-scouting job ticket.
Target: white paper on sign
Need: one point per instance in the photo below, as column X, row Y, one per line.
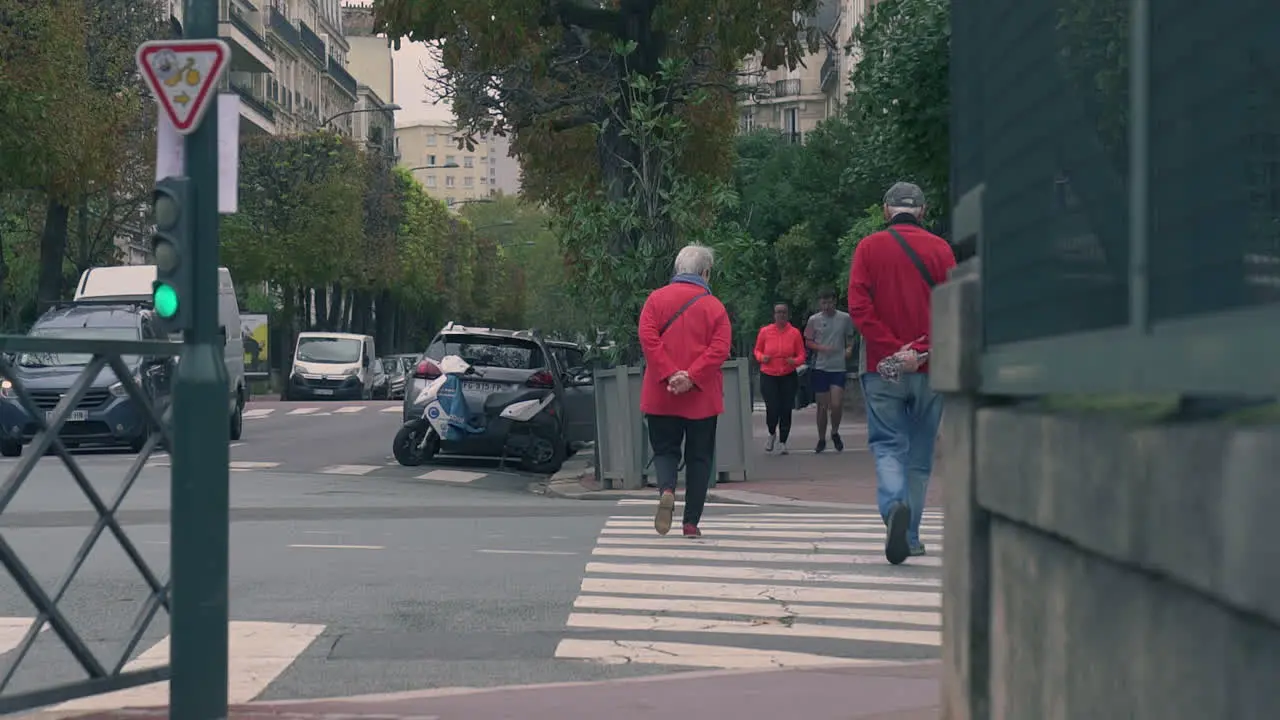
column 228, row 152
column 171, row 156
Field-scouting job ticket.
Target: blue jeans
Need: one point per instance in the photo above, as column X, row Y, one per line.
column 902, row 428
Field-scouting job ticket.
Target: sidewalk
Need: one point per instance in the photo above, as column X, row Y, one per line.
column 899, row 692
column 829, row 479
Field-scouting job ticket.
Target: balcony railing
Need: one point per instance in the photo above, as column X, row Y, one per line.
column 311, row 42
column 828, row 71
column 251, row 97
column 786, row 88
column 342, row 77
column 280, row 25
column 234, row 16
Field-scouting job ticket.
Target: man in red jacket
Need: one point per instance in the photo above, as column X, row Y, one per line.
column 890, row 284
column 685, row 334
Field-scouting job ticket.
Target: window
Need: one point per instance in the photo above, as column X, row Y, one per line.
column 448, row 181
column 469, row 181
column 90, row 330
column 431, row 160
column 431, row 181
column 431, row 139
column 468, row 161
column 449, row 201
column 329, row 350
column 484, row 351
column 450, row 160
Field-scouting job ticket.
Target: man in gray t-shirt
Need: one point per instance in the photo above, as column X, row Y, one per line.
column 829, row 335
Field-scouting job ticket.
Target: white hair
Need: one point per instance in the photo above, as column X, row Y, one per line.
column 694, row 260
column 914, row 211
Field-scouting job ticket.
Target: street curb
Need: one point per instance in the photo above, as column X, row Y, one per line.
column 872, row 666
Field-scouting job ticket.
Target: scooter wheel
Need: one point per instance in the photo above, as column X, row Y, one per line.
column 405, row 447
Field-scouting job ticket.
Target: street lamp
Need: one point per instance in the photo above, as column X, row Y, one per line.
column 446, row 166
column 384, row 108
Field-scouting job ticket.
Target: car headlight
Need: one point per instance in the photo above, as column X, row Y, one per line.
column 351, row 372
column 6, row 389
column 118, row 389
column 297, row 370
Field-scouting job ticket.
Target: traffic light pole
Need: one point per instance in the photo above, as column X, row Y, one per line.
column 201, row 426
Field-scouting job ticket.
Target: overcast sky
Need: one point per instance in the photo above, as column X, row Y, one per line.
column 411, row 91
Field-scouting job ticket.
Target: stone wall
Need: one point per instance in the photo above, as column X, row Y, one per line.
column 1098, row 568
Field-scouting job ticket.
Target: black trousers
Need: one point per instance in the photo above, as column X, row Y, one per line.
column 667, row 435
column 779, row 393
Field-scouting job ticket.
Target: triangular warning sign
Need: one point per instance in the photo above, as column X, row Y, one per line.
column 183, row 74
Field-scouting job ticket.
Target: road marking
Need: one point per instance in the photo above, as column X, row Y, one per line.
column 392, row 409
column 779, row 593
column 620, row 652
column 452, row 476
column 258, row 651
column 251, row 465
column 349, row 469
column 338, row 547
column 783, row 534
column 775, row 627
column 758, row 544
column 254, row 413
column 830, row 559
column 679, row 503
column 350, row 409
column 768, row 577
column 526, row 552
column 304, row 411
column 761, row 610
column 13, row 629
column 722, row 572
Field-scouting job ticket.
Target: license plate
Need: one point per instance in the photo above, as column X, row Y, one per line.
column 324, row 392
column 75, row 416
column 483, row 387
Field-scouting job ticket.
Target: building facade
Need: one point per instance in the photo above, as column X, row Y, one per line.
column 793, row 102
column 430, row 151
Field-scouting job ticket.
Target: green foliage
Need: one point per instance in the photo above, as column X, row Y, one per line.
column 871, row 221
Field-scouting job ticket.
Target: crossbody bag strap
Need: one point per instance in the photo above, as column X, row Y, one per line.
column 915, row 259
column 688, row 304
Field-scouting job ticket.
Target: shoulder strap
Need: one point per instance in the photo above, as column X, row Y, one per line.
column 688, row 304
column 915, row 259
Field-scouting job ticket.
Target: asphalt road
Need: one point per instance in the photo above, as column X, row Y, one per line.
column 381, row 582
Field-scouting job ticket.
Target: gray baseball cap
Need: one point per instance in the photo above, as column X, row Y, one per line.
column 904, row 194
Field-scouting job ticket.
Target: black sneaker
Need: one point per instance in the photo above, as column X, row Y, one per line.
column 837, row 442
column 822, row 445
column 896, row 547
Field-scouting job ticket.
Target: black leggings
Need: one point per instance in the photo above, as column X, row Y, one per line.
column 779, row 393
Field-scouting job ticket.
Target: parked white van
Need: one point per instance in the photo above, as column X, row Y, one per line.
column 331, row 365
column 133, row 283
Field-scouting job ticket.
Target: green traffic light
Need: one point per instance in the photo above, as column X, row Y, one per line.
column 166, row 301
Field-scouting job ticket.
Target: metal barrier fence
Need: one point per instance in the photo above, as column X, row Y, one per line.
column 622, row 437
column 1118, row 164
column 105, row 671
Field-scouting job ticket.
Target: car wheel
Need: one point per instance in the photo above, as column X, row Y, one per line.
column 237, row 419
column 10, row 448
column 544, row 455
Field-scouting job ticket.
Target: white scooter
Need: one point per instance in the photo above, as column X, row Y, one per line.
column 519, row 423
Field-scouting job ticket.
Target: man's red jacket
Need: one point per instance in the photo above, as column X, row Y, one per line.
column 888, row 297
column 697, row 342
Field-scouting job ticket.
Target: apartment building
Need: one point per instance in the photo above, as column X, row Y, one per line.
column 793, row 102
column 370, row 62
column 430, row 151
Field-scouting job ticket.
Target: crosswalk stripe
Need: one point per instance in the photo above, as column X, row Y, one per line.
column 13, row 629
column 392, row 409
column 258, row 651
column 825, row 558
column 757, row 609
column 249, row 465
column 723, row 572
column 350, row 409
column 599, row 621
column 452, row 476
column 303, row 410
column 759, row 575
column 680, row 504
column 254, row 413
column 349, row 469
column 757, row 544
column 776, row 533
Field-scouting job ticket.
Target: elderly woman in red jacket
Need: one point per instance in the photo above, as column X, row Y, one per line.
column 779, row 350
column 685, row 334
